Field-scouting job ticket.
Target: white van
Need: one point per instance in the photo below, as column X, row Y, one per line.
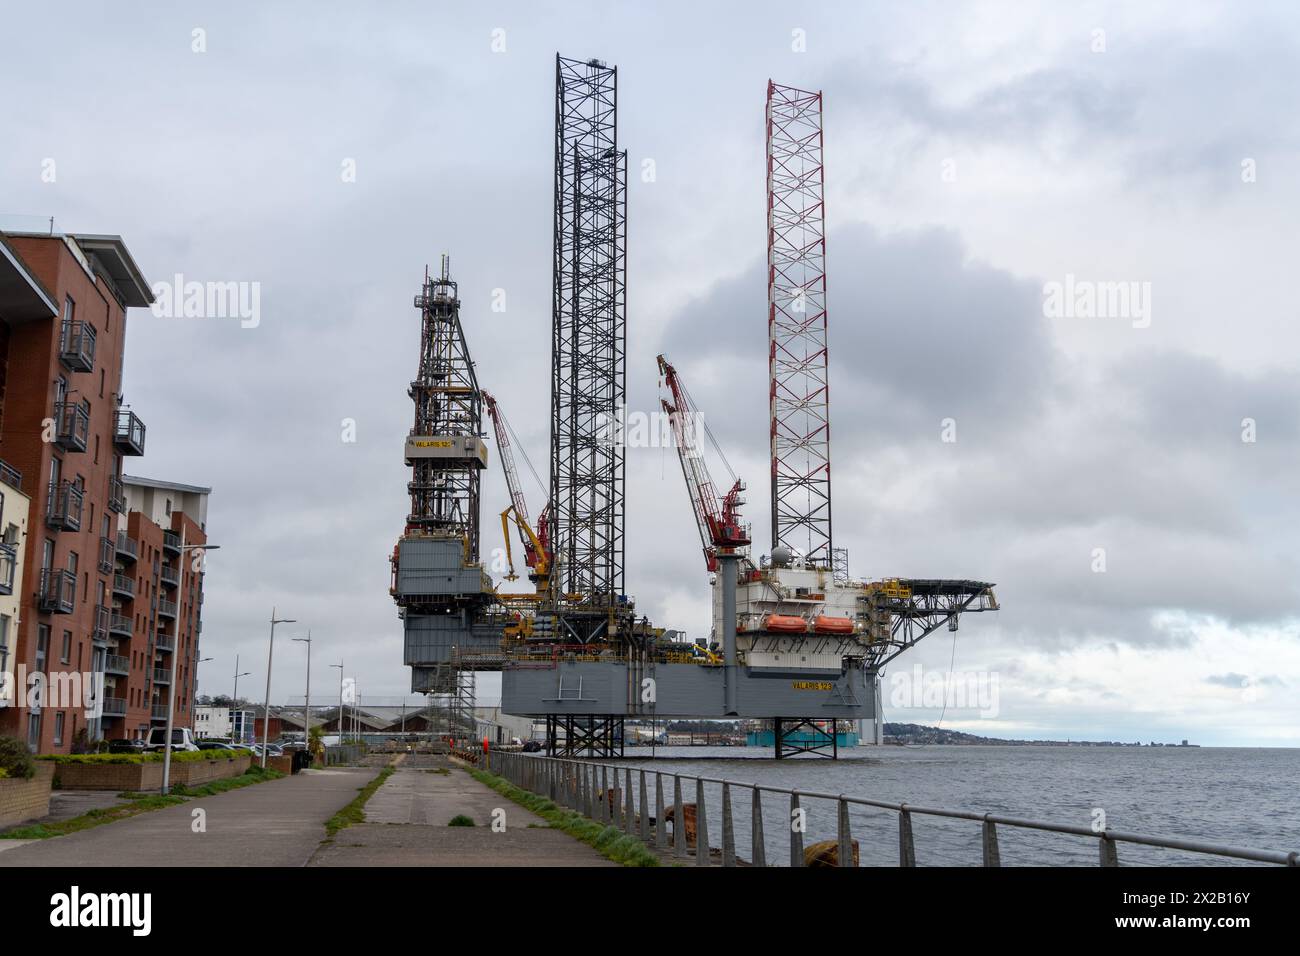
column 182, row 739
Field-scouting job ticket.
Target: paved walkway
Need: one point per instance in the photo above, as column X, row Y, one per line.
column 406, row 825
column 278, row 823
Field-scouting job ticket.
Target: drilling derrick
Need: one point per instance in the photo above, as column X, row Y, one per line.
column 588, row 356
column 798, row 385
column 442, row 592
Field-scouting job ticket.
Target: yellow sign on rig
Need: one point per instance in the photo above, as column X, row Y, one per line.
column 813, row 685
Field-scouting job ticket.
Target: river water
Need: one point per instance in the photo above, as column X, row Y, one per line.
column 1247, row 797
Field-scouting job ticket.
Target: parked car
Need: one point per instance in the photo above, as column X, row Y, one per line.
column 213, row 745
column 182, row 739
column 124, row 746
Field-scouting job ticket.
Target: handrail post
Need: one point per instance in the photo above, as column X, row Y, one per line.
column 728, row 829
column 992, row 857
column 629, row 809
column 679, row 829
column 1109, row 856
column 796, row 830
column 645, row 812
column 845, row 836
column 906, row 848
column 757, row 849
column 701, row 826
column 604, row 795
column 661, row 825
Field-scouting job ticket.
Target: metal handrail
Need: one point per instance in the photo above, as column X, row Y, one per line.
column 574, row 784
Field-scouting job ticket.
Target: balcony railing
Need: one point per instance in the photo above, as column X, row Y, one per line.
column 123, row 585
column 164, row 642
column 114, row 706
column 71, row 425
column 121, row 625
column 107, row 549
column 127, row 549
column 161, row 675
column 128, row 432
column 11, row 476
column 117, row 664
column 167, row 608
column 58, row 591
column 8, row 562
column 116, row 495
column 172, row 542
column 63, row 507
column 159, row 712
column 170, row 576
column 77, row 345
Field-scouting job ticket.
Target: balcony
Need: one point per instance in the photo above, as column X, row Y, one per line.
column 11, row 476
column 171, row 542
column 167, row 608
column 117, row 665
column 120, row 626
column 107, row 549
column 127, row 549
column 63, row 507
column 170, row 576
column 123, row 586
column 8, row 562
column 114, row 706
column 58, row 591
column 161, row 675
column 128, row 432
column 71, row 425
column 116, row 495
column 165, row 643
column 103, row 619
column 77, row 345
column 159, row 713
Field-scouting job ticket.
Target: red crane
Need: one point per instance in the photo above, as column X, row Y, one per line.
column 537, row 548
column 718, row 518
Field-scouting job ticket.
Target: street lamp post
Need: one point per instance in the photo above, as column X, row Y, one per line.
column 339, row 665
column 234, row 700
column 306, row 701
column 194, row 710
column 176, row 653
column 270, row 655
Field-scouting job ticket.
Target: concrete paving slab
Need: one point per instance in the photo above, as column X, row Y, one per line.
column 279, row 823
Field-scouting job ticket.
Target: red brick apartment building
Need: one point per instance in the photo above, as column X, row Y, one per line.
column 103, row 588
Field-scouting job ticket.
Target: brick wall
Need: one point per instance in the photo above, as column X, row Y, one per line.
column 146, row 776
column 23, row 800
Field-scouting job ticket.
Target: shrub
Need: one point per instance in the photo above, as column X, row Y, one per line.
column 460, row 820
column 16, row 759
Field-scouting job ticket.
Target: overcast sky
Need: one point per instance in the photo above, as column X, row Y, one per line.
column 975, row 153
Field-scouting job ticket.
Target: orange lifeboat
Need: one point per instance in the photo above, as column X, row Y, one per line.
column 785, row 624
column 824, row 624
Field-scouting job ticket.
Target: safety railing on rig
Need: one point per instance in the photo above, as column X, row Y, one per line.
column 772, row 822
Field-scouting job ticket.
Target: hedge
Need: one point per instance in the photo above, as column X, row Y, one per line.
column 184, row 756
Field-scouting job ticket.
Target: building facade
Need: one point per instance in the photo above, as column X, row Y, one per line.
column 67, row 430
column 157, row 595
column 15, row 508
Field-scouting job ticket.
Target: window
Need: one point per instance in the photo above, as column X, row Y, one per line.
column 58, row 729
column 169, row 506
column 34, row 732
column 101, row 391
column 72, row 561
column 65, row 655
column 101, row 395
column 47, row 554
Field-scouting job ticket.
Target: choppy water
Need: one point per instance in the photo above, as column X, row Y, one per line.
column 1239, row 797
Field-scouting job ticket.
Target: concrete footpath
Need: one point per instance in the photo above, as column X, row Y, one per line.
column 278, row 823
column 406, row 825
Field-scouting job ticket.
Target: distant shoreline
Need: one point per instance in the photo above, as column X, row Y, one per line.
column 914, row 734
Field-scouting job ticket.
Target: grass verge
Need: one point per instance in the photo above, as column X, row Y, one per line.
column 136, row 804
column 355, row 812
column 608, row 840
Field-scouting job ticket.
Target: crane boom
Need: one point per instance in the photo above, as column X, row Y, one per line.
column 534, row 544
column 717, row 517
